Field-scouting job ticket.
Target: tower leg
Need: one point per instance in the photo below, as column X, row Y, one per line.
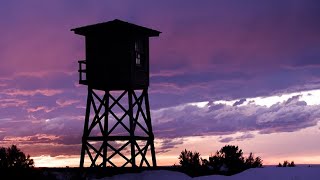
column 105, row 137
column 85, row 129
column 153, row 153
column 118, row 131
column 131, row 121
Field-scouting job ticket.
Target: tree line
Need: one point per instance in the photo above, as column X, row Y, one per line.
column 228, row 160
column 13, row 157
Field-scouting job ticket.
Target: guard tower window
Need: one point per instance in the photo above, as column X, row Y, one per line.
column 138, row 48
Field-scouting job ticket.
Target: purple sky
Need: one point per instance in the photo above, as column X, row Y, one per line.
column 208, row 51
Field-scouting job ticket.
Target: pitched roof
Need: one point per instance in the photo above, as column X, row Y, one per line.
column 115, row 26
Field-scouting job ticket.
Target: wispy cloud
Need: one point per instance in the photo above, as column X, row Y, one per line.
column 168, row 144
column 5, row 103
column 40, row 108
column 68, row 102
column 242, row 137
column 20, row 92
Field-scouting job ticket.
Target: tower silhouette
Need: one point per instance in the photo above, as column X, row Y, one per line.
column 117, row 128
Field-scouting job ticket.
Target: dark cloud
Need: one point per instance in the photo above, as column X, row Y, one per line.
column 69, row 139
column 226, row 139
column 294, row 99
column 50, row 149
column 238, row 138
column 280, row 81
column 168, row 144
column 241, row 101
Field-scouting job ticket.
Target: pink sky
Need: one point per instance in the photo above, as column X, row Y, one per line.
column 208, row 51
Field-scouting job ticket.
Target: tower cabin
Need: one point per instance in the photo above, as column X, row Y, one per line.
column 117, row 55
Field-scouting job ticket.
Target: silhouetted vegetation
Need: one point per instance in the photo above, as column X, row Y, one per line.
column 287, row 164
column 12, row 157
column 252, row 162
column 189, row 159
column 228, row 160
column 190, row 162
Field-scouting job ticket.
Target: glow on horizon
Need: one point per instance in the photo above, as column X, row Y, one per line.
column 74, row 160
column 269, row 147
column 270, row 154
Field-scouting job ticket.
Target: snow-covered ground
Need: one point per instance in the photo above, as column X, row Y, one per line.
column 267, row 173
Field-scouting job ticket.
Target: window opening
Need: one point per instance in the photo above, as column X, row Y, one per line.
column 138, row 48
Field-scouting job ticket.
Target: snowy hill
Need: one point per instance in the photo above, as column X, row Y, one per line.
column 268, row 173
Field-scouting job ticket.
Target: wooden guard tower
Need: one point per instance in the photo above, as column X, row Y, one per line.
column 117, row 128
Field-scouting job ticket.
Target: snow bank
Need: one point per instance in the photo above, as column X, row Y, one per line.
column 267, row 173
column 152, row 175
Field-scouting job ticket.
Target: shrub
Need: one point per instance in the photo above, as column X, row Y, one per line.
column 286, row 164
column 252, row 162
column 230, row 159
column 189, row 159
column 12, row 157
column 291, row 164
column 191, row 163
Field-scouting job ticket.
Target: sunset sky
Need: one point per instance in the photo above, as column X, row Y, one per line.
column 239, row 72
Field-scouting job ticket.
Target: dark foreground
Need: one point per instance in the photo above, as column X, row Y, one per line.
column 83, row 173
column 70, row 173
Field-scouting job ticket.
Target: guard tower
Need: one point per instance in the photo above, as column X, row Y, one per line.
column 117, row 128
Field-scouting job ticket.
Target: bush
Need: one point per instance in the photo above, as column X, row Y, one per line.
column 12, row 157
column 191, row 163
column 230, row 159
column 189, row 159
column 291, row 164
column 252, row 162
column 286, row 164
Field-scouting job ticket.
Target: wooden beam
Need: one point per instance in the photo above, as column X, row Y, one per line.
column 107, row 151
column 117, row 138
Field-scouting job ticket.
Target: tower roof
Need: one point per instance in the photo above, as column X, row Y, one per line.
column 115, row 27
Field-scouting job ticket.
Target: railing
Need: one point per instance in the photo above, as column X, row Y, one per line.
column 82, row 72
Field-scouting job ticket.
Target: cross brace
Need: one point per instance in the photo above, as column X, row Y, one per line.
column 118, row 126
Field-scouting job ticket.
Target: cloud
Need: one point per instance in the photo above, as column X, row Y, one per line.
column 51, row 149
column 294, row 99
column 19, row 92
column 40, row 108
column 242, row 137
column 190, row 120
column 226, row 139
column 168, row 144
column 166, row 73
column 68, row 102
column 37, row 138
column 241, row 101
column 5, row 103
column 72, row 139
